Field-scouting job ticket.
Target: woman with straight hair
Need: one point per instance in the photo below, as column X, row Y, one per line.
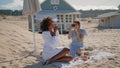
column 77, row 35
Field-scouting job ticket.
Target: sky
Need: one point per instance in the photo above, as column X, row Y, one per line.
column 77, row 4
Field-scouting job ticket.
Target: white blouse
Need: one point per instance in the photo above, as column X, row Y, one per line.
column 51, row 45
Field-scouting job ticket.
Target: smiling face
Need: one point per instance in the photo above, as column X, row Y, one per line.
column 51, row 26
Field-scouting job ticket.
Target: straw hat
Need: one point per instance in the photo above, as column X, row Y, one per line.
column 77, row 19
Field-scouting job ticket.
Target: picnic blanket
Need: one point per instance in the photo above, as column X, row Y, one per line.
column 96, row 56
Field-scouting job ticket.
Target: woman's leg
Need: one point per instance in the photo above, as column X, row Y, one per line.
column 80, row 52
column 59, row 55
column 64, row 59
column 73, row 49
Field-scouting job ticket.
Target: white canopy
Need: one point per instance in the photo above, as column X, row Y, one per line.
column 31, row 7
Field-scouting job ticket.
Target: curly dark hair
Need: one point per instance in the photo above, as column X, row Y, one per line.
column 44, row 25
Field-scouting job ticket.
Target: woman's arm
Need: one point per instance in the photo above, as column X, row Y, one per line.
column 48, row 38
column 54, row 33
column 79, row 36
column 69, row 33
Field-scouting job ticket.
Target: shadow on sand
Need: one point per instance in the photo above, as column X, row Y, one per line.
column 39, row 65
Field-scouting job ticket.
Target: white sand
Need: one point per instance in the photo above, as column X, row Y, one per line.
column 16, row 42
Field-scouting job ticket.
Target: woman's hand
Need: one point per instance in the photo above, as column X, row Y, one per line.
column 76, row 30
column 69, row 34
column 55, row 28
column 79, row 36
column 53, row 33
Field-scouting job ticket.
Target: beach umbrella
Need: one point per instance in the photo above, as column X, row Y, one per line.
column 32, row 7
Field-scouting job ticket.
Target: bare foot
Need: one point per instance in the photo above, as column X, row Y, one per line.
column 85, row 57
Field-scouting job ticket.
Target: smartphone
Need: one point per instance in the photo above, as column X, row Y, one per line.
column 73, row 25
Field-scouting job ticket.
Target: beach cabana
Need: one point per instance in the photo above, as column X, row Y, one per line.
column 61, row 12
column 110, row 20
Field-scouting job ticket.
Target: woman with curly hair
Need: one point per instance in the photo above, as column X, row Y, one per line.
column 52, row 52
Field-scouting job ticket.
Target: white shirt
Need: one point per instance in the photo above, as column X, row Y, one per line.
column 51, row 45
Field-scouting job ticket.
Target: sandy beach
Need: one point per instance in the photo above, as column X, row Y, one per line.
column 16, row 43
